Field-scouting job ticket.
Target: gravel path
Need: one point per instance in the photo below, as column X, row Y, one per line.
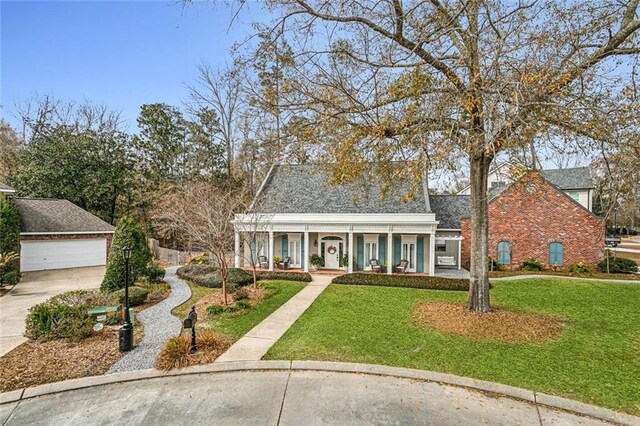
column 159, row 325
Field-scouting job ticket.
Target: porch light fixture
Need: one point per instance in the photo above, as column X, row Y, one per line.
column 315, row 243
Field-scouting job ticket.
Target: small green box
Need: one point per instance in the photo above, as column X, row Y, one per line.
column 104, row 313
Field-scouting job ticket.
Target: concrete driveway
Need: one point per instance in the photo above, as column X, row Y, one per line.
column 36, row 287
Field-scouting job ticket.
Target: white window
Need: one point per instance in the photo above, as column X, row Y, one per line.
column 574, row 194
column 441, row 245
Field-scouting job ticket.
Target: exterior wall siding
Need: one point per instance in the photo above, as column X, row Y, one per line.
column 530, row 215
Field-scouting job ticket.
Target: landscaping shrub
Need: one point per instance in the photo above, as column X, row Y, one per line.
column 137, row 295
column 235, row 277
column 10, row 277
column 155, row 273
column 581, row 268
column 157, row 291
column 190, row 272
column 618, row 265
column 531, row 265
column 200, row 260
column 55, row 320
column 410, row 281
column 286, row 276
column 492, row 264
column 241, row 294
column 127, row 233
column 215, row 309
column 85, row 298
column 243, row 304
column 316, row 260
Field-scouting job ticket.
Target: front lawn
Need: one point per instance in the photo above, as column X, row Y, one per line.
column 596, row 359
column 233, row 325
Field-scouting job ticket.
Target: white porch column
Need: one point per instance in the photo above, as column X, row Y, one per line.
column 237, row 250
column 389, row 253
column 270, row 254
column 432, row 254
column 459, row 253
column 350, row 252
column 306, row 252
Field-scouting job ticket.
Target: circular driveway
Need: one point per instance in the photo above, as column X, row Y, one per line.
column 272, row 397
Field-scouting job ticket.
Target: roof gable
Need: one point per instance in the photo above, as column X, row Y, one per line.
column 49, row 215
column 306, row 188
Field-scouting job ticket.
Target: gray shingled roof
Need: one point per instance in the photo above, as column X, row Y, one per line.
column 450, row 209
column 574, row 178
column 53, row 215
column 5, row 188
column 305, row 188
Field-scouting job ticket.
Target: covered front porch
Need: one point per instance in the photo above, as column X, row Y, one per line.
column 343, row 243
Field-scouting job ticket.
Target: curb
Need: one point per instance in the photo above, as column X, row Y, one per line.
column 497, row 389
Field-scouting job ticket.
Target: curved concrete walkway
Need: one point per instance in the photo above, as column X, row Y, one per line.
column 159, row 325
column 293, row 393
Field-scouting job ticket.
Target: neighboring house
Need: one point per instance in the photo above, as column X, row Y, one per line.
column 57, row 234
column 576, row 182
column 300, row 213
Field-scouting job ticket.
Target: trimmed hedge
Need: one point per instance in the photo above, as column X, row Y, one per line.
column 137, row 295
column 286, row 276
column 409, row 281
column 235, row 277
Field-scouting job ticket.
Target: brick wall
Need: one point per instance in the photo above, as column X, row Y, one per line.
column 109, row 237
column 530, row 215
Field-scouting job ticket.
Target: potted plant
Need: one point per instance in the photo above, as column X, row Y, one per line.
column 276, row 260
column 316, row 261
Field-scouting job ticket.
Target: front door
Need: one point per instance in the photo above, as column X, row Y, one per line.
column 409, row 251
column 332, row 254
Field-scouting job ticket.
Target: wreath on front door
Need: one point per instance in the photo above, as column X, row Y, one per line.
column 331, row 250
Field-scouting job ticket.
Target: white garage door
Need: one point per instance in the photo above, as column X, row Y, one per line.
column 40, row 255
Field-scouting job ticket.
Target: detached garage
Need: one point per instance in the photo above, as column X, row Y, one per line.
column 57, row 234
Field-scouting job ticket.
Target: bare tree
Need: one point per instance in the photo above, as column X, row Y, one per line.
column 431, row 80
column 222, row 92
column 204, row 213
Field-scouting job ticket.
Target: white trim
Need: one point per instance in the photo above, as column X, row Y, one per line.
column 305, row 259
column 448, row 230
column 270, row 251
column 67, row 233
column 340, row 218
column 389, row 253
column 7, row 191
column 350, row 253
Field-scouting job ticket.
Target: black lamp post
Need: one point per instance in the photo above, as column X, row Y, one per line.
column 126, row 332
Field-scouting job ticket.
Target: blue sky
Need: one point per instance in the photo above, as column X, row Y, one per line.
column 120, row 53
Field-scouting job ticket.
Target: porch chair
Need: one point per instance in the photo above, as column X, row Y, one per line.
column 375, row 265
column 285, row 263
column 402, row 266
column 263, row 262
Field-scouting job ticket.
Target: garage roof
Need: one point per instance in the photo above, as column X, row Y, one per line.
column 50, row 215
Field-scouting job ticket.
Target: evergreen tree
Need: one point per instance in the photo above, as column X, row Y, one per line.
column 9, row 238
column 128, row 233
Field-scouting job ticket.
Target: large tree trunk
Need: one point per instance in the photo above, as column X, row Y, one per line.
column 479, row 285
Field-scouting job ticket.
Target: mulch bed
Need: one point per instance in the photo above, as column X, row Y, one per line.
column 215, row 298
column 35, row 363
column 499, row 325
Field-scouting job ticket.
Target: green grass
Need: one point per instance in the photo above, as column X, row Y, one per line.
column 234, row 325
column 596, row 359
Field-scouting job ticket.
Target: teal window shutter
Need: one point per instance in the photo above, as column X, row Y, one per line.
column 360, row 261
column 556, row 254
column 397, row 250
column 254, row 248
column 303, row 260
column 285, row 245
column 504, row 253
column 420, row 255
column 382, row 249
